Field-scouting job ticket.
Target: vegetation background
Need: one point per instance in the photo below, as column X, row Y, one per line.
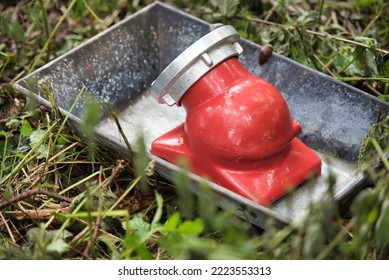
column 63, row 197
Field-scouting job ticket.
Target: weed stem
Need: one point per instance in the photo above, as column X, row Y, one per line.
column 320, row 34
column 116, row 119
column 46, row 27
column 46, row 46
column 30, row 193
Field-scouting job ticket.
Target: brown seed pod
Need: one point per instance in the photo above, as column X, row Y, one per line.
column 264, row 54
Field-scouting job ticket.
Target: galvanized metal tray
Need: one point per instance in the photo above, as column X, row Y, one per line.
column 120, row 64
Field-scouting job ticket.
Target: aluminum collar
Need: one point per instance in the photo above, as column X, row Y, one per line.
column 203, row 55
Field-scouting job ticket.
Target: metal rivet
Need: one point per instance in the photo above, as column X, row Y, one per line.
column 238, row 48
column 207, row 59
column 168, row 100
column 214, row 26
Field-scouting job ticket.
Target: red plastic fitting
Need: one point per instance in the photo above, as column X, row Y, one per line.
column 238, row 130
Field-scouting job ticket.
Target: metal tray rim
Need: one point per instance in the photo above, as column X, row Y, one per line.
column 353, row 185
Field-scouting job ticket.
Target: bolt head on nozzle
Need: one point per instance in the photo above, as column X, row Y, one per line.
column 215, row 25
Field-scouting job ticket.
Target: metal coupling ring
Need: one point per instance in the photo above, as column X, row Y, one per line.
column 203, row 55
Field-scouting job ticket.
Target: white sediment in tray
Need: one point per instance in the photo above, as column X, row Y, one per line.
column 144, row 117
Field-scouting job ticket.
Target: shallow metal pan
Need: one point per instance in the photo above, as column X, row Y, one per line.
column 120, row 63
